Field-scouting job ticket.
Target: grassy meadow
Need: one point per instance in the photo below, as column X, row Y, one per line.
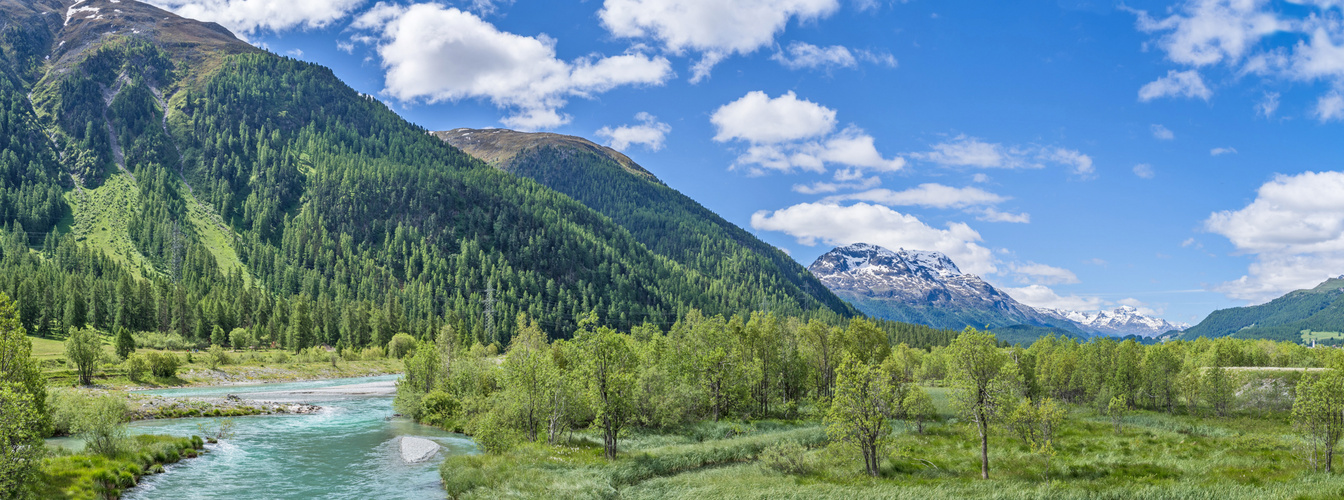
column 1156, row 455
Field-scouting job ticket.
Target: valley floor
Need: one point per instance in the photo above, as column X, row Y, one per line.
column 1156, row 456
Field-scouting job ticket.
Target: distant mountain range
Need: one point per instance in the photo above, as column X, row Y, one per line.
column 927, row 288
column 1294, row 317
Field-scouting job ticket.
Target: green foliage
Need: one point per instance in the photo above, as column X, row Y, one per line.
column 163, row 364
column 97, row 418
column 977, row 369
column 21, row 447
column 99, row 476
column 787, row 457
column 1117, row 409
column 918, row 407
column 864, row 399
column 239, row 339
column 125, row 343
column 1318, row 414
column 84, row 350
column 1282, row 319
column 400, row 345
column 216, row 356
column 135, row 366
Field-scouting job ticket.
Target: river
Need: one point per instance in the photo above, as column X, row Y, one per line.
column 348, row 450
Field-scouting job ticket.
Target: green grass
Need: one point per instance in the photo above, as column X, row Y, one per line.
column 101, row 216
column 75, row 476
column 1157, row 456
column 215, row 235
column 1308, row 336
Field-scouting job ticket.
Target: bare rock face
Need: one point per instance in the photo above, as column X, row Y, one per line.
column 415, row 450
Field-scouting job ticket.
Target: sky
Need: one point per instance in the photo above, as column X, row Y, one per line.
column 1178, row 157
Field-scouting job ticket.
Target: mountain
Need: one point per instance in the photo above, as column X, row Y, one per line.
column 1319, row 309
column 159, row 174
column 1120, row 322
column 664, row 220
column 925, row 288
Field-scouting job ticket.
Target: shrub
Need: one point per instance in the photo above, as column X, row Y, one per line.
column 125, row 343
column 163, row 364
column 239, row 339
column 788, row 457
column 280, row 358
column 160, row 341
column 440, row 409
column 401, row 345
column 215, row 356
column 84, row 349
column 97, row 418
column 135, row 366
column 373, row 353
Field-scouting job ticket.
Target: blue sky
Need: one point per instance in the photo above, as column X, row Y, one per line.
column 1178, row 157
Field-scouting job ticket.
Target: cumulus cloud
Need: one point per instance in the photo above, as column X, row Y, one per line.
column 802, row 55
column 1144, row 171
column 649, row 131
column 991, row 214
column 930, row 195
column 432, row 53
column 1295, row 230
column 252, row 16
column 1248, row 37
column 786, row 133
column 714, row 28
column 832, row 224
column 1330, row 107
column 1162, row 133
column 1043, row 296
column 823, row 187
column 1186, row 84
column 1222, row 151
column 1041, row 274
column 964, row 151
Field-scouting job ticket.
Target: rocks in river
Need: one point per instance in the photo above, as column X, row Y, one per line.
column 414, row 449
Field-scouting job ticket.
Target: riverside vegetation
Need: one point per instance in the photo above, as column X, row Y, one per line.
column 762, row 406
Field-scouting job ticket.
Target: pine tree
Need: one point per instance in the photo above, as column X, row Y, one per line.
column 125, row 343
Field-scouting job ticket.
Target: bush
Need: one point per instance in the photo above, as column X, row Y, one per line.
column 239, row 339
column 160, row 341
column 215, row 356
column 441, row 409
column 163, row 364
column 788, row 457
column 401, row 345
column 135, row 366
column 100, row 419
column 280, row 358
column 373, row 353
column 125, row 343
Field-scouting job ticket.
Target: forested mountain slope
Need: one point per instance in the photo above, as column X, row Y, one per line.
column 664, row 220
column 160, row 174
column 1319, row 309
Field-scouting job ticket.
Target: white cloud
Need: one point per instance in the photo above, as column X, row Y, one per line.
column 1210, row 31
column 1162, row 133
column 714, row 28
column 1176, row 84
column 1304, row 41
column 980, row 178
column 964, row 151
column 1330, row 107
column 930, row 195
column 296, row 53
column 650, row 132
column 822, row 187
column 1144, row 171
column 436, row 54
column 802, row 55
column 252, row 16
column 1222, row 151
column 990, row 214
column 1043, row 296
column 1041, row 274
column 831, row 224
column 786, row 133
column 1294, row 228
column 757, row 118
column 1269, row 105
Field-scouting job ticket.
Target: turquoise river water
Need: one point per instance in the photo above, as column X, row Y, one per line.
column 348, row 450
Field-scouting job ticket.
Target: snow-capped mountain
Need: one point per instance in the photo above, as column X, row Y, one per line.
column 921, row 287
column 927, row 288
column 1121, row 321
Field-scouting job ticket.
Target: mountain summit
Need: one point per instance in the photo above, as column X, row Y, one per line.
column 922, row 287
column 1121, row 321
